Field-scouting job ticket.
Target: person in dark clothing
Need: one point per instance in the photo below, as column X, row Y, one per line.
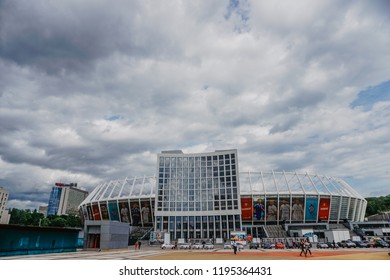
column 302, row 247
column 135, row 214
column 139, row 245
column 235, row 247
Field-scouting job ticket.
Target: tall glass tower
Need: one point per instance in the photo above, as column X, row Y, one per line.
column 65, row 199
column 54, row 201
column 198, row 194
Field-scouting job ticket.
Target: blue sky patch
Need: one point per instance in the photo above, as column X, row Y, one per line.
column 239, row 8
column 113, row 117
column 373, row 94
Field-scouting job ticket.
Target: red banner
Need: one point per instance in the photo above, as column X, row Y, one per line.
column 246, row 208
column 96, row 213
column 323, row 211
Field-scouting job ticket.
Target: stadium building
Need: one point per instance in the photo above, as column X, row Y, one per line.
column 205, row 196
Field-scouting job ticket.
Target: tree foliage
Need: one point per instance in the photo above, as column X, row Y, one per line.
column 377, row 205
column 33, row 218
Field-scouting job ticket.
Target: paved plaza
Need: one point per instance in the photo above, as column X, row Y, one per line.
column 155, row 253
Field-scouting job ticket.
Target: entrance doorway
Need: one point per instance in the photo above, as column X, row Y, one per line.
column 93, row 241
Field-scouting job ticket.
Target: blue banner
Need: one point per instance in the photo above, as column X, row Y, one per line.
column 113, row 209
column 311, row 209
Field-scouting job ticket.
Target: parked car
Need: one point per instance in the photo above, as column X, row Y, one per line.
column 208, row 245
column 167, row 246
column 197, row 246
column 240, row 246
column 268, row 245
column 331, row 245
column 360, row 244
column 347, row 244
column 369, row 243
column 184, row 246
column 289, row 244
column 254, row 245
column 279, row 245
column 322, row 245
column 154, row 242
column 380, row 244
column 227, row 245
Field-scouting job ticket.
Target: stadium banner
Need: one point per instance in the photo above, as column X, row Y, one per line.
column 104, row 211
column 113, row 210
column 323, row 211
column 124, row 211
column 246, row 208
column 258, row 208
column 96, row 212
column 311, row 208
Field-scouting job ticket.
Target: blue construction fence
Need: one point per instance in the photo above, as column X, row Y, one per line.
column 28, row 240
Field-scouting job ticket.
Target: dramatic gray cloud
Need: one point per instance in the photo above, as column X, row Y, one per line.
column 92, row 90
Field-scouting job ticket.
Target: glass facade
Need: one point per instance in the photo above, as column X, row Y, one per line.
column 198, row 195
column 54, row 201
column 65, row 200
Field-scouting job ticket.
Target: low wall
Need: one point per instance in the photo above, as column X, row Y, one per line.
column 26, row 240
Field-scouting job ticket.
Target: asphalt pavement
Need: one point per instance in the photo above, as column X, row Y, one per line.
column 155, row 253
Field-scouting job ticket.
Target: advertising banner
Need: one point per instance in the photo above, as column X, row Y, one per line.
column 146, row 215
column 311, row 208
column 125, row 213
column 246, row 208
column 238, row 236
column 272, row 209
column 284, row 209
column 323, row 212
column 297, row 209
column 96, row 212
column 113, row 209
column 258, row 209
column 104, row 210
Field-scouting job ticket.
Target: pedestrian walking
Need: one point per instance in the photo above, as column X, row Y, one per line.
column 334, row 244
column 139, row 245
column 235, row 247
column 302, row 247
column 136, row 245
column 307, row 247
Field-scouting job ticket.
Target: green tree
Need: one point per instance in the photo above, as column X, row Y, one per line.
column 377, row 205
column 45, row 222
column 34, row 218
column 73, row 221
column 18, row 217
column 58, row 221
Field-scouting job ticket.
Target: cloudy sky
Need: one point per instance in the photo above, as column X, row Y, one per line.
column 92, row 90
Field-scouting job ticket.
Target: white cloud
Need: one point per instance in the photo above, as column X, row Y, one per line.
column 92, row 93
